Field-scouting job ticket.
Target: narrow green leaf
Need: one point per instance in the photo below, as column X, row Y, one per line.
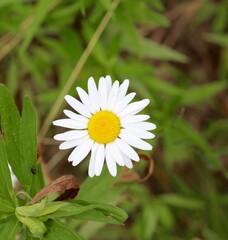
column 108, row 211
column 42, row 209
column 58, row 231
column 6, row 189
column 182, row 202
column 11, row 228
column 10, row 126
column 69, row 210
column 151, row 49
column 84, row 210
column 149, row 221
column 217, row 38
column 193, row 135
column 157, row 18
column 28, row 156
column 159, row 5
column 52, row 207
column 96, row 216
column 200, row 93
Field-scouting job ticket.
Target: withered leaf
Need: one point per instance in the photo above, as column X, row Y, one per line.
column 67, row 184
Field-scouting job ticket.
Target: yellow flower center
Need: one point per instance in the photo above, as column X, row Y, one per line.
column 104, row 127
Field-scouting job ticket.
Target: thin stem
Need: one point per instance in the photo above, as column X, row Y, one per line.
column 77, row 69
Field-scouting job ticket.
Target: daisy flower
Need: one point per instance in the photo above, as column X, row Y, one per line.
column 107, row 125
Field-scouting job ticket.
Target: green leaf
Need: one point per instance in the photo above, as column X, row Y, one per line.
column 78, row 209
column 11, row 228
column 104, row 212
column 41, row 209
column 58, row 231
column 96, row 216
column 182, row 202
column 3, row 3
column 6, row 189
column 217, row 38
column 151, row 49
column 149, row 221
column 31, row 211
column 157, row 18
column 6, row 206
column 10, row 126
column 28, row 156
column 35, row 225
column 193, row 135
column 69, row 210
column 200, row 93
column 158, row 4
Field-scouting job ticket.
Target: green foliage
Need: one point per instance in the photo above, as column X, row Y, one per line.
column 28, row 149
column 6, row 184
column 58, row 231
column 20, row 141
column 11, row 228
column 39, row 218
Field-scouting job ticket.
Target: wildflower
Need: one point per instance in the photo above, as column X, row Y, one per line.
column 106, row 124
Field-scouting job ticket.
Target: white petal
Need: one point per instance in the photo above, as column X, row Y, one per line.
column 103, row 93
column 108, row 83
column 70, row 135
column 135, row 141
column 113, row 95
column 75, row 116
column 135, row 118
column 114, row 150
column 99, row 159
column 123, row 89
column 134, row 108
column 69, row 123
column 92, row 160
column 141, row 125
column 111, row 163
column 77, row 106
column 13, row 176
column 138, row 133
column 127, row 161
column 121, row 104
column 85, row 99
column 93, row 94
column 73, row 143
column 127, row 150
column 80, row 152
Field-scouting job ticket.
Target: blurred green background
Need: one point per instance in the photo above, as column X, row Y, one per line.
column 176, row 54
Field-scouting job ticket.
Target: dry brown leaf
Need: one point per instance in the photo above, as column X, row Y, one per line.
column 66, row 183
